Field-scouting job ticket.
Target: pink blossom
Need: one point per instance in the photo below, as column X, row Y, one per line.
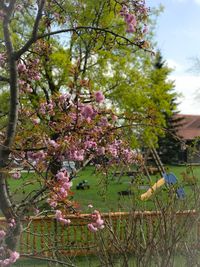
column 36, row 121
column 87, row 111
column 43, row 108
column 101, row 151
column 124, row 11
column 130, row 19
column 73, row 116
column 99, row 96
column 88, row 120
column 36, row 61
column 21, row 67
column 58, row 214
column 92, row 228
column 67, row 185
column 97, row 223
column 21, row 82
column 37, row 77
column 62, row 175
column 65, row 221
column 113, row 150
column 63, row 98
column 16, row 175
column 130, row 28
column 52, row 202
column 77, row 155
column 60, row 218
column 114, row 118
column 104, row 122
column 61, row 190
column 6, row 262
column 12, row 223
column 37, row 156
column 90, row 144
column 53, row 143
column 28, row 89
column 14, row 256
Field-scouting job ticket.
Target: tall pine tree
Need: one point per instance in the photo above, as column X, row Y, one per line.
column 169, row 144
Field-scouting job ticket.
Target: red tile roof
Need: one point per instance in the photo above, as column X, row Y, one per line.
column 190, row 126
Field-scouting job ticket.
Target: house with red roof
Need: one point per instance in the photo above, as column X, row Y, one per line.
column 189, row 134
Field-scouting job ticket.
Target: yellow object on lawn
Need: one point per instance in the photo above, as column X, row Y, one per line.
column 152, row 189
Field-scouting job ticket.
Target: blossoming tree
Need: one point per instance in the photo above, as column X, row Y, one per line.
column 55, row 111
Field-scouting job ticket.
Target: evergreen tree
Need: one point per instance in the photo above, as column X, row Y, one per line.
column 169, row 143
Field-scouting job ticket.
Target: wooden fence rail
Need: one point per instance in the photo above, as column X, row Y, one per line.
column 43, row 236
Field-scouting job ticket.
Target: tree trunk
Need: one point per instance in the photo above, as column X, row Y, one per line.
column 5, row 148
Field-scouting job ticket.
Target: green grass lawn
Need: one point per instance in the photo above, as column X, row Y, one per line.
column 103, row 192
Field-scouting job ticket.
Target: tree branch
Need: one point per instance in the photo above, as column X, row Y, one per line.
column 34, row 32
column 5, row 202
column 75, row 29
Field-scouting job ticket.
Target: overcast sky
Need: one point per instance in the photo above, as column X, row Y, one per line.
column 178, row 38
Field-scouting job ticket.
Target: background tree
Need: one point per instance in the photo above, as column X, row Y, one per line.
column 168, row 144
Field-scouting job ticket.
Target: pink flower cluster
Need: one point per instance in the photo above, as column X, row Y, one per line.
column 29, row 72
column 53, row 143
column 36, row 121
column 61, row 189
column 97, row 222
column 87, row 111
column 25, row 87
column 12, row 223
column 76, row 155
column 89, row 144
column 101, row 151
column 104, row 122
column 129, row 155
column 113, row 150
column 14, row 256
column 64, row 183
column 130, row 19
column 47, row 108
column 63, row 98
column 36, row 156
column 99, row 97
column 60, row 218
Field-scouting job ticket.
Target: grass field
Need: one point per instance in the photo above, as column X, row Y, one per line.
column 103, row 192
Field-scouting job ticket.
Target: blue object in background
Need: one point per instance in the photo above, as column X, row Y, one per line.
column 171, row 179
